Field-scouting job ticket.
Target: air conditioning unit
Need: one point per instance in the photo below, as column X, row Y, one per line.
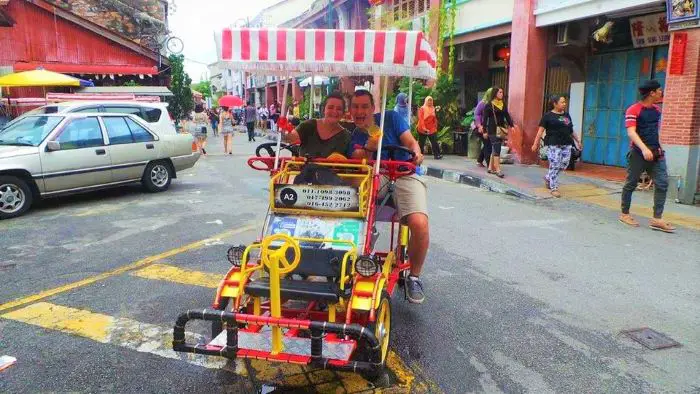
column 570, row 34
column 469, row 52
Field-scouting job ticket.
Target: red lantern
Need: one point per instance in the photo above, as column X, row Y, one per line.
column 375, row 2
column 503, row 53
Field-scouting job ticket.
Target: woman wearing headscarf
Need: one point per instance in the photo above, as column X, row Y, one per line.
column 496, row 116
column 485, row 153
column 402, row 107
column 427, row 127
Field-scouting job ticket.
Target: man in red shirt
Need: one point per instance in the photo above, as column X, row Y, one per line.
column 642, row 121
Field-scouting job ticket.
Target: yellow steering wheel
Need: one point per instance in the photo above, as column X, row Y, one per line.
column 279, row 256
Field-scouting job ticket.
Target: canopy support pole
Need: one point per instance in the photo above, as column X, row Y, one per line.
column 410, row 100
column 385, row 92
column 279, row 131
column 311, row 97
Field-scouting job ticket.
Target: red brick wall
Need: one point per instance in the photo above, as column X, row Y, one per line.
column 681, row 109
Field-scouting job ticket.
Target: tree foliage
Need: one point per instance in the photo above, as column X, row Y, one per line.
column 182, row 103
column 203, row 87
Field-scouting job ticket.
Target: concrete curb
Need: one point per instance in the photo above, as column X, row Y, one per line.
column 480, row 182
column 456, row 177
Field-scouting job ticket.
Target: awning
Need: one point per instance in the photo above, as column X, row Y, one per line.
column 85, row 68
column 335, row 52
column 160, row 91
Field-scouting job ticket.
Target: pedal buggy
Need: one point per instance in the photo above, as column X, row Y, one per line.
column 313, row 289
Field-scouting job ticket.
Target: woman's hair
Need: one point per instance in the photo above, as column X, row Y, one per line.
column 334, row 95
column 198, row 108
column 494, row 92
column 488, row 96
column 554, row 100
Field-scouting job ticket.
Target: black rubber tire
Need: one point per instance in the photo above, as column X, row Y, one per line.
column 23, row 186
column 147, row 180
column 377, row 376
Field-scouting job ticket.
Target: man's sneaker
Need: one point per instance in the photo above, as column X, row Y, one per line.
column 627, row 219
column 660, row 225
column 414, row 290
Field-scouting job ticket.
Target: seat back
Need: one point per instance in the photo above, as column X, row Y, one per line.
column 318, row 262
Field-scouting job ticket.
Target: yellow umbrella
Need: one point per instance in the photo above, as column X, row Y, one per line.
column 38, row 78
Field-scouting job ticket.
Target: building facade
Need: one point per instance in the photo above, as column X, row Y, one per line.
column 596, row 52
column 36, row 34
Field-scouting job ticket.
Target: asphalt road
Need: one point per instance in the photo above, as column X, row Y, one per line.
column 521, row 297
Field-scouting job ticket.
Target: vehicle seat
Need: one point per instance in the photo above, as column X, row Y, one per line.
column 314, row 262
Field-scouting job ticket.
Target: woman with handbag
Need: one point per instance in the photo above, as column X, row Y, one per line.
column 558, row 141
column 497, row 122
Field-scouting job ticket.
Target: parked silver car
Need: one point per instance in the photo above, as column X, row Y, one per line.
column 53, row 154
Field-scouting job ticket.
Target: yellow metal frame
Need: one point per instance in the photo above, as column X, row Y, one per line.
column 292, row 168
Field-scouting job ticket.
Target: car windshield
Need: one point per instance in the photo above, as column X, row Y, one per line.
column 29, row 131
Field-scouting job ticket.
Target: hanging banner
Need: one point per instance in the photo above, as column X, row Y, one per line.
column 650, row 30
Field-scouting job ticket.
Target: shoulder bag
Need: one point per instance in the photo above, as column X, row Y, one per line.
column 501, row 132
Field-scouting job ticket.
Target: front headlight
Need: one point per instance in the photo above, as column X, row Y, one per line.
column 366, row 266
column 235, row 255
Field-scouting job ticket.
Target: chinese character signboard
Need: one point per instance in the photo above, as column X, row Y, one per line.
column 650, row 30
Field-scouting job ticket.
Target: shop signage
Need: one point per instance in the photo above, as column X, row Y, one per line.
column 650, row 30
column 322, row 198
column 680, row 40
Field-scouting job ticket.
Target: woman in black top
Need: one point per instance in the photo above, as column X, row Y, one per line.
column 496, row 114
column 558, row 139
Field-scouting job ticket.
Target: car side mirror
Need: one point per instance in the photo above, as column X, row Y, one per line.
column 53, row 146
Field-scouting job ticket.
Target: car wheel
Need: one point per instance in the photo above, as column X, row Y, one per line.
column 157, row 177
column 15, row 197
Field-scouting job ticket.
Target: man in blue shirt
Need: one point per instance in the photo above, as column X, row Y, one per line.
column 411, row 193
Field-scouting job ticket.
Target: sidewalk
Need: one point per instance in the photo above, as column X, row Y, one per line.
column 589, row 184
column 526, row 182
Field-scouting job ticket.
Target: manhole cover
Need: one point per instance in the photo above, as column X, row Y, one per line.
column 651, row 339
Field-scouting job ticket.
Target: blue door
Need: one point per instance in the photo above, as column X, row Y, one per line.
column 611, row 86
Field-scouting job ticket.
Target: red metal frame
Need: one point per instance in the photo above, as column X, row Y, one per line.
column 300, row 319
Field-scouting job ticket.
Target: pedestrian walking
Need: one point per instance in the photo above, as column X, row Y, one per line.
column 214, row 119
column 498, row 123
column 559, row 136
column 427, row 127
column 485, row 153
column 199, row 127
column 226, row 124
column 646, row 154
column 251, row 116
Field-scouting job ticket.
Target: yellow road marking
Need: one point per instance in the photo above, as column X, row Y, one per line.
column 124, row 332
column 74, row 321
column 126, row 268
column 179, row 275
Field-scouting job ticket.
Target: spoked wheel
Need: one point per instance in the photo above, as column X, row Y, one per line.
column 15, row 197
column 381, row 328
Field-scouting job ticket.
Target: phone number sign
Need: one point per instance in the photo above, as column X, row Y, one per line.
column 322, row 198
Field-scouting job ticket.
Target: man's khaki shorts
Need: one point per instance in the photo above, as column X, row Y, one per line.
column 410, row 195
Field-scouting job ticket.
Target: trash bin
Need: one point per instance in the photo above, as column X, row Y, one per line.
column 460, row 143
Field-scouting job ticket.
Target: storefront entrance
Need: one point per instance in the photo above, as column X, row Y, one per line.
column 611, row 86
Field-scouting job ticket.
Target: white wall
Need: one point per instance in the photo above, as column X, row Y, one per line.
column 481, row 14
column 552, row 12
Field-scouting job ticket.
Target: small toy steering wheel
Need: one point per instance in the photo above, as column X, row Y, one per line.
column 280, row 254
column 392, row 150
column 270, row 148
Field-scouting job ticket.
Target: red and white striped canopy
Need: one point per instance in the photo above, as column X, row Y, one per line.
column 333, row 52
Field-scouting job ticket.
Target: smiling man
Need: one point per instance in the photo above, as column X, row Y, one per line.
column 411, row 194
